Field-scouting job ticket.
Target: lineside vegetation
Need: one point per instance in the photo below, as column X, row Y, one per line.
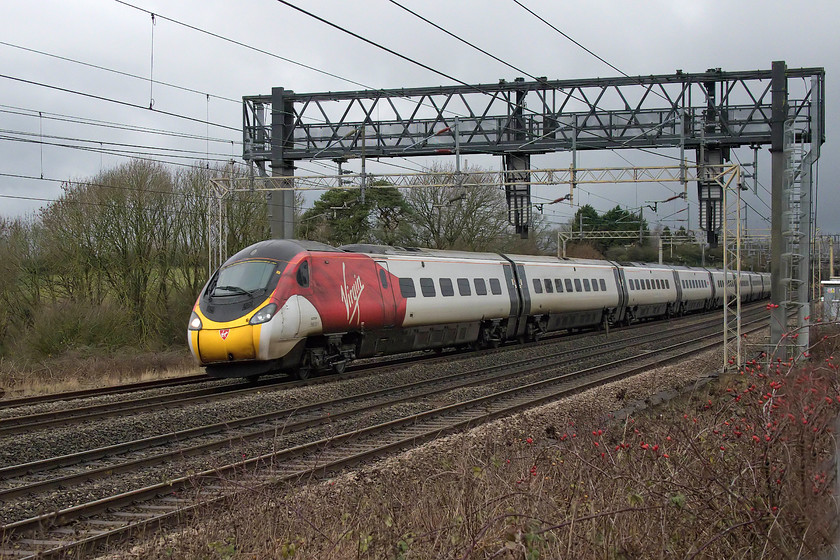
column 743, row 467
column 98, row 285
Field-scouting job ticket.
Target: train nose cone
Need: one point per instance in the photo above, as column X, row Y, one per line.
column 222, row 345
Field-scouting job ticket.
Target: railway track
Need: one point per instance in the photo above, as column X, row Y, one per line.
column 302, row 414
column 111, row 516
column 67, row 409
column 67, row 397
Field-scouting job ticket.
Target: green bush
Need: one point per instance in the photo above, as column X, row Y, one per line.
column 83, row 327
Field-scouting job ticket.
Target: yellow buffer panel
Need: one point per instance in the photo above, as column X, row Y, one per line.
column 218, row 345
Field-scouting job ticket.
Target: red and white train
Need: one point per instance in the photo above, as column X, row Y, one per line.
column 302, row 306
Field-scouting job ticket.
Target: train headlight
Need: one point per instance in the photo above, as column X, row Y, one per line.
column 263, row 315
column 195, row 322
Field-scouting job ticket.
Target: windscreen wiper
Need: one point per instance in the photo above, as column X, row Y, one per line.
column 234, row 289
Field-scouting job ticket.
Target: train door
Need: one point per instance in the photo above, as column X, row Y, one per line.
column 386, row 287
column 515, row 301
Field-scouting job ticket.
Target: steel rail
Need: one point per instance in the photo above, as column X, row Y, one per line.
column 23, row 424
column 638, row 333
column 412, row 433
column 101, row 391
column 478, row 376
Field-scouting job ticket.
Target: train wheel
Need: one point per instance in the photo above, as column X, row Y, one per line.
column 339, row 367
column 304, row 371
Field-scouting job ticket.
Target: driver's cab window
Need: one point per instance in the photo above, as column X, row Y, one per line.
column 303, row 274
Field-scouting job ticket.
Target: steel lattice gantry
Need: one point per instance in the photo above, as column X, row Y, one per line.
column 708, row 112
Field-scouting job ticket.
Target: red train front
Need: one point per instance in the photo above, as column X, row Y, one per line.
column 291, row 305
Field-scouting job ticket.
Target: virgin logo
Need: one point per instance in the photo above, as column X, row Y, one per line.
column 351, row 296
column 224, row 333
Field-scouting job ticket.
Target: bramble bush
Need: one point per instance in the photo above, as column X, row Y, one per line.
column 742, row 467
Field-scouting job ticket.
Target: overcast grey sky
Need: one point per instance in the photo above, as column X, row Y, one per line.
column 640, row 38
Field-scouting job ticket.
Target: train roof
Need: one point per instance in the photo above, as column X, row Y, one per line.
column 281, row 249
column 552, row 259
column 373, row 249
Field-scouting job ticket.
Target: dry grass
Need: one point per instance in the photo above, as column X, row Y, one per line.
column 742, row 468
column 72, row 371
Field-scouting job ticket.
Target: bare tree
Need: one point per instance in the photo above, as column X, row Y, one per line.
column 471, row 218
column 21, row 273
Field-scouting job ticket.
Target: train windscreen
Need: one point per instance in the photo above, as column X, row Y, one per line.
column 252, row 278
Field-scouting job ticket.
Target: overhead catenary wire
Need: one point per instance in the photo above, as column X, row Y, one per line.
column 420, row 64
column 117, row 101
column 105, row 142
column 195, row 28
column 135, row 154
column 243, row 45
column 22, row 111
column 384, row 163
column 119, row 72
column 461, row 39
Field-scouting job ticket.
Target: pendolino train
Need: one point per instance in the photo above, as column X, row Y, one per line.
column 303, row 307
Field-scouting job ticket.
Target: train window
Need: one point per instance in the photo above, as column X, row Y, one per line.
column 427, row 287
column 558, row 285
column 537, row 286
column 549, row 287
column 659, row 285
column 495, row 287
column 464, row 287
column 631, row 284
column 383, row 278
column 586, row 285
column 407, row 287
column 577, row 285
column 446, row 289
column 595, row 285
column 667, row 284
column 568, row 283
column 480, row 287
column 303, row 274
column 656, row 285
column 647, row 284
column 603, row 284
